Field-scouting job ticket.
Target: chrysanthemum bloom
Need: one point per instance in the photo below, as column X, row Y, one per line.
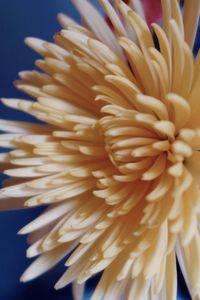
column 118, row 160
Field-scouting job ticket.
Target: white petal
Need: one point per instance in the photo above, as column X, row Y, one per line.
column 48, row 217
column 44, row 263
column 97, row 23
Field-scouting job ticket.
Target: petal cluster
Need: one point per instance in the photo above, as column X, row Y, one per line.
column 116, row 158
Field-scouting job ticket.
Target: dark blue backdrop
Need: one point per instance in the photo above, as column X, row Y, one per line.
column 19, row 19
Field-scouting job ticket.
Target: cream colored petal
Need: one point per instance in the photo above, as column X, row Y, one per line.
column 114, row 17
column 137, row 289
column 167, row 12
column 70, row 275
column 194, row 103
column 37, row 45
column 171, row 277
column 156, row 169
column 21, row 127
column 191, row 18
column 193, row 266
column 18, row 191
column 48, row 217
column 188, row 73
column 24, row 172
column 44, row 263
column 193, row 165
column 177, row 15
column 164, row 47
column 180, row 108
column 65, row 20
column 96, row 23
column 177, row 55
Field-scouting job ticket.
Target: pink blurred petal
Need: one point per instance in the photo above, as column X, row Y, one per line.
column 152, row 10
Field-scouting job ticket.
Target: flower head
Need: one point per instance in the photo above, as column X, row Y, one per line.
column 117, row 159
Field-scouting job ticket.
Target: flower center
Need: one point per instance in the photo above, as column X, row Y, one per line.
column 146, row 152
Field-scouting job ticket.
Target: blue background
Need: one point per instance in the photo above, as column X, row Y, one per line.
column 18, row 19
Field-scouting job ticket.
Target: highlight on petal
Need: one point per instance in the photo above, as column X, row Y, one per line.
column 116, row 158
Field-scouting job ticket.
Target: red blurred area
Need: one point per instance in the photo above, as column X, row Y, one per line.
column 152, row 10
